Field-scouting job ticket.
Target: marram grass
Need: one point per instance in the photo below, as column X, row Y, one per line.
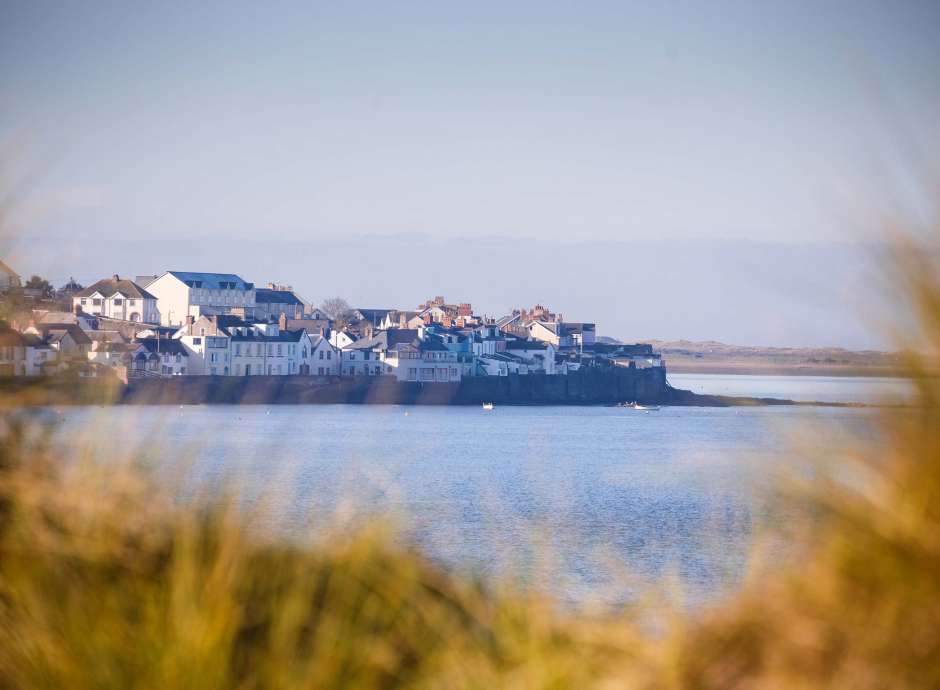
column 107, row 583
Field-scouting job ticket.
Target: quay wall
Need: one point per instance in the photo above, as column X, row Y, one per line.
column 586, row 387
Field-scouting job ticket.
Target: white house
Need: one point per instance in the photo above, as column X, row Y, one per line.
column 226, row 345
column 537, row 355
column 167, row 356
column 111, row 353
column 325, row 359
column 341, row 339
column 407, row 354
column 117, row 298
column 181, row 293
column 41, row 357
column 564, row 334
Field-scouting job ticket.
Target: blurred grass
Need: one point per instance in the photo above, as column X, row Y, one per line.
column 107, row 582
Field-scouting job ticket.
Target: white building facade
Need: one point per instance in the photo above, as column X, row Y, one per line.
column 118, row 298
column 182, row 293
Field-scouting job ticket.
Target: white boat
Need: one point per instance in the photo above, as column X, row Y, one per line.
column 642, row 408
column 487, row 406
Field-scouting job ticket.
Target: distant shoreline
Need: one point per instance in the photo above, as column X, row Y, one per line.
column 677, row 366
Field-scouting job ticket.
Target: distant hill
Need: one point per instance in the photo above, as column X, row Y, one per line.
column 686, row 356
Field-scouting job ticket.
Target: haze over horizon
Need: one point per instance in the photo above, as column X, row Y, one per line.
column 706, row 172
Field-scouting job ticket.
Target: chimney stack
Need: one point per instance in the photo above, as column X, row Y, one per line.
column 116, row 277
column 282, row 322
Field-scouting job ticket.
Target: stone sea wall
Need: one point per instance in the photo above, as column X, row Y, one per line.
column 586, row 387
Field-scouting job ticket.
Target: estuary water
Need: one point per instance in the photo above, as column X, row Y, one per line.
column 600, row 500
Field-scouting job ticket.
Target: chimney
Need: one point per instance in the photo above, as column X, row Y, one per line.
column 116, row 277
column 190, row 320
column 282, row 322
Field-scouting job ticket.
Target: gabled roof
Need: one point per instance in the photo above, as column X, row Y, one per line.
column 227, row 321
column 33, row 340
column 549, row 325
column 375, row 316
column 110, row 286
column 161, row 345
column 384, row 340
column 577, row 326
column 75, row 331
column 268, row 296
column 508, row 319
column 525, row 345
column 118, row 347
column 212, row 281
column 63, row 317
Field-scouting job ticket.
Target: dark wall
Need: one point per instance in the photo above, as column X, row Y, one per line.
column 586, row 387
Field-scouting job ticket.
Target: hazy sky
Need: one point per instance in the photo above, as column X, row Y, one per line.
column 322, row 124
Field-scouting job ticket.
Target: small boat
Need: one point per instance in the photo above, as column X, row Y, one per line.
column 641, row 408
column 487, row 406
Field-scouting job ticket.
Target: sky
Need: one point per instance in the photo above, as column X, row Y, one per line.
column 491, row 148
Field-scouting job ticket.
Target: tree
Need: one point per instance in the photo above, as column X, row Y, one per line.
column 339, row 310
column 41, row 285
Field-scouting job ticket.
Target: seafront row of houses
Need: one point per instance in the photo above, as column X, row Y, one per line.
column 183, row 323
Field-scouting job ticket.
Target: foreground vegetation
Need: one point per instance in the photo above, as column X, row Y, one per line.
column 107, row 583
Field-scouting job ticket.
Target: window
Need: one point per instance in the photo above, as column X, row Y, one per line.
column 247, row 370
column 278, row 349
column 179, row 358
column 238, row 349
column 320, row 371
column 453, row 373
column 84, row 301
column 96, row 302
column 329, row 354
column 427, row 374
column 412, row 374
column 321, row 354
column 131, row 302
column 197, row 341
column 118, row 301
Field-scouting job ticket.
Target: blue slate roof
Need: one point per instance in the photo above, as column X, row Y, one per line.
column 267, row 296
column 213, row 281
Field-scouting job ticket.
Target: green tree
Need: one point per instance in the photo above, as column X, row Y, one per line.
column 43, row 286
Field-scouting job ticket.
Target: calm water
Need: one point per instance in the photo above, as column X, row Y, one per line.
column 857, row 389
column 676, row 492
